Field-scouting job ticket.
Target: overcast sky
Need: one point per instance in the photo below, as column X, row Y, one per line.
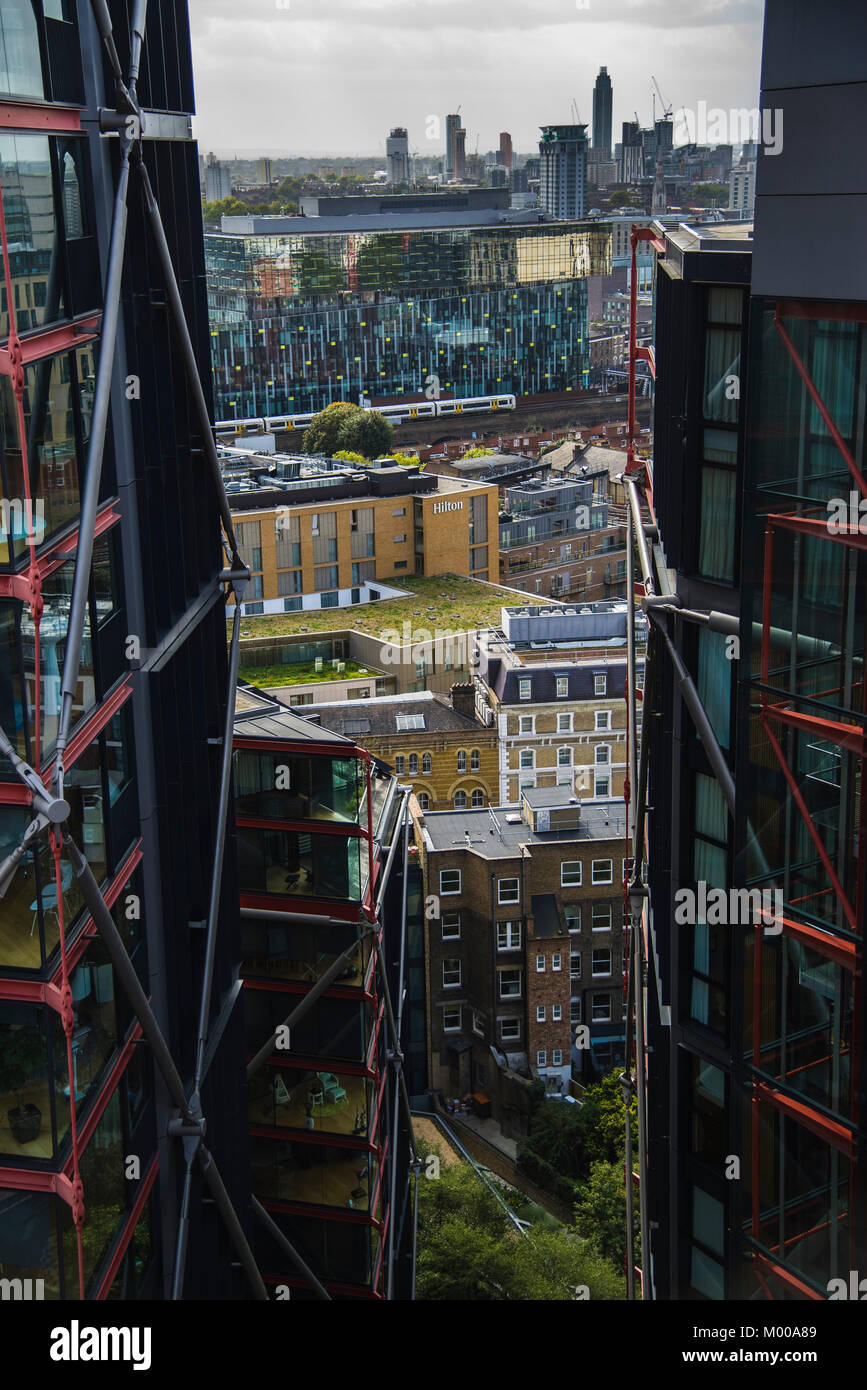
column 330, row 77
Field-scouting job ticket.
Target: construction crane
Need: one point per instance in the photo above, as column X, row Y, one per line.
column 576, row 114
column 686, row 125
column 666, row 106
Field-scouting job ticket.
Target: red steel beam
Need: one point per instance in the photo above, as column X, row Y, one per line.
column 20, row 115
column 837, row 1135
column 821, row 406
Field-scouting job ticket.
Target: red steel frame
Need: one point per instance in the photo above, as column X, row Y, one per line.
column 848, row 736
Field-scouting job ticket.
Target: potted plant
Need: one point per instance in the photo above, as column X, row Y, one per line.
column 22, row 1050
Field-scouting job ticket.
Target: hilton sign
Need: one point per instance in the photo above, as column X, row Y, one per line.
column 448, row 507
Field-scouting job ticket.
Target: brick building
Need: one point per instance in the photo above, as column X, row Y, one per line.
column 555, row 680
column 440, row 746
column 525, row 945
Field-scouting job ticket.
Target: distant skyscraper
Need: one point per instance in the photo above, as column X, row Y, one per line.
column 452, row 127
column 563, row 170
column 602, row 115
column 505, row 149
column 266, row 171
column 460, row 165
column 397, row 155
column 742, row 188
column 218, row 182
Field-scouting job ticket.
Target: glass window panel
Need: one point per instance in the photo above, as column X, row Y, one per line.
column 28, row 1238
column 20, row 67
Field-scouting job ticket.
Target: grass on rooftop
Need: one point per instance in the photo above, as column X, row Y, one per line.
column 300, row 673
column 448, row 601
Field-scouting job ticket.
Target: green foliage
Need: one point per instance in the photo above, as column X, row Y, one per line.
column 470, row 1250
column 349, row 457
column 408, row 460
column 235, row 207
column 345, row 427
column 708, row 195
column 566, row 1140
column 600, row 1213
column 323, row 433
column 477, row 453
column 622, row 199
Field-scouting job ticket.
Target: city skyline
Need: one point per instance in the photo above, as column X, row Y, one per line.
column 292, row 53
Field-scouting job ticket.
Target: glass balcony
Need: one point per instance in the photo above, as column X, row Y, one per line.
column 323, row 1102
column 312, row 1174
column 288, row 786
column 302, row 951
column 289, row 863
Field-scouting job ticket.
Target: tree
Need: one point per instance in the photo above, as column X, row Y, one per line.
column 708, row 195
column 347, row 456
column 600, row 1212
column 367, row 432
column 323, row 434
column 621, row 199
column 477, row 453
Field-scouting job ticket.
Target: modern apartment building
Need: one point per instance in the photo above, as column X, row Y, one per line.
column 558, row 539
column 555, row 681
column 525, row 948
column 145, row 716
column 441, row 747
column 753, row 1018
column 303, row 314
column 321, row 830
column 327, row 536
column 563, row 170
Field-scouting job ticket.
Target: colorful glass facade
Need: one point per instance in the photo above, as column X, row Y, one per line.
column 298, row 321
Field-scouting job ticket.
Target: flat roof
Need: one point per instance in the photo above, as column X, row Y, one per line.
column 475, row 830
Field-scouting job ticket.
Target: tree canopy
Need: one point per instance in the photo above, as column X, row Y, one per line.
column 470, row 1250
column 347, row 427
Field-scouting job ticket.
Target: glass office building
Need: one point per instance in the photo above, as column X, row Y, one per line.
column 300, row 320
column 77, row 1090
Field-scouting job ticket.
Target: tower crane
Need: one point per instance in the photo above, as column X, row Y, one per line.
column 666, row 106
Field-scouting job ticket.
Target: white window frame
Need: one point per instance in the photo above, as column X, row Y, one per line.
column 575, row 1010
column 507, row 901
column 573, row 914
column 514, row 1023
column 556, row 1013
column 567, row 761
column 529, row 719
column 400, row 765
column 526, row 753
column 573, row 973
column 426, row 764
column 462, row 760
column 593, row 871
column 451, row 935
column 600, row 974
column 604, row 1002
column 450, row 892
column 596, row 908
column 541, row 1058
column 525, row 689
column 603, row 721
column 475, row 760
column 564, row 722
column 501, row 974
column 600, row 683
column 478, row 1019
column 452, row 984
column 602, row 755
column 461, row 800
column 540, row 1013
column 571, row 865
column 557, row 961
column 540, row 965
column 557, row 1057
column 562, row 687
column 602, row 785
column 451, row 1009
column 511, row 933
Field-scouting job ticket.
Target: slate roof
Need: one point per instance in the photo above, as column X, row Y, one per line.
column 379, row 716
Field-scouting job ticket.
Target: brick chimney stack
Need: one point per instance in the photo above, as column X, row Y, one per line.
column 463, row 698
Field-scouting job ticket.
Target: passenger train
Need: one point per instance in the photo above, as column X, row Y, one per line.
column 397, row 414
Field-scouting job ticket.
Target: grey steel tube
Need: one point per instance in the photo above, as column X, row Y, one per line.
column 211, row 1174
column 307, row 1003
column 704, row 728
column 217, row 867
column 289, row 1249
column 95, row 452
column 104, row 921
column 398, row 1061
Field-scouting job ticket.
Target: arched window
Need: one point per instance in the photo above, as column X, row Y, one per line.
column 603, row 753
column 462, row 761
column 475, row 761
column 424, row 801
column 413, row 764
column 460, row 801
column 426, row 763
column 478, row 797
column 528, row 757
column 564, row 757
